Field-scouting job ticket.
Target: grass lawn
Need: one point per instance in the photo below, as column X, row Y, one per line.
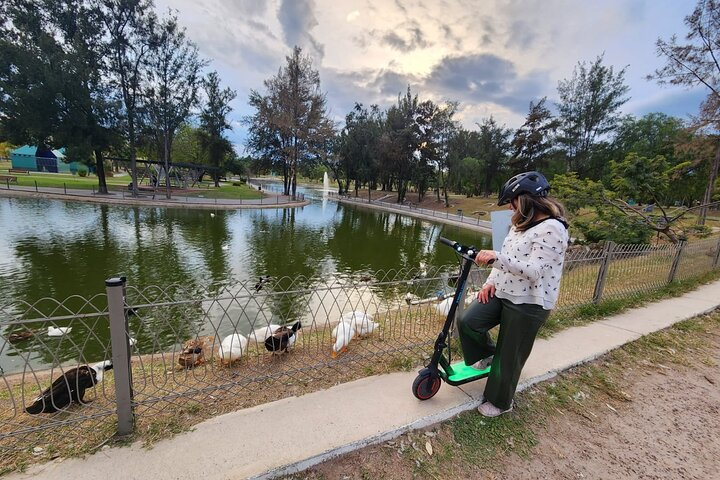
column 60, row 180
column 226, row 191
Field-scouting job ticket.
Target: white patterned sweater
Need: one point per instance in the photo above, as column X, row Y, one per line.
column 529, row 267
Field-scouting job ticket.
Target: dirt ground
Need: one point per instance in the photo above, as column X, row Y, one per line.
column 671, row 433
column 657, row 417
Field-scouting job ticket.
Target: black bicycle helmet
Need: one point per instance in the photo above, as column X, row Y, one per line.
column 532, row 183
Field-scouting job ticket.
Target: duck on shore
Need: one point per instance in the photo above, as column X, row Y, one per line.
column 232, row 347
column 193, row 352
column 282, row 339
column 68, row 388
column 261, row 333
column 343, row 333
column 361, row 322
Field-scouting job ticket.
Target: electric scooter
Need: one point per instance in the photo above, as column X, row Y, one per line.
column 429, row 379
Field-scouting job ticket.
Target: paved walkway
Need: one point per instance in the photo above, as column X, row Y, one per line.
column 462, row 221
column 179, row 200
column 295, row 433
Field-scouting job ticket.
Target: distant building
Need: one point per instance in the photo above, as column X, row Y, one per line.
column 37, row 159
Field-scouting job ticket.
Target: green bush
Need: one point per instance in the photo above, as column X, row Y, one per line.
column 82, row 172
column 615, row 226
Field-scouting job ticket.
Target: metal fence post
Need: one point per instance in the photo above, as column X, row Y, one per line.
column 115, row 288
column 716, row 260
column 676, row 261
column 602, row 273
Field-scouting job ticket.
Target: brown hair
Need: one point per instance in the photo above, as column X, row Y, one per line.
column 529, row 207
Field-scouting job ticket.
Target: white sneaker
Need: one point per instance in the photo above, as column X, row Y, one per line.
column 487, row 409
column 482, row 364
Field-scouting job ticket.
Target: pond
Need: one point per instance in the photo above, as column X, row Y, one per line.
column 58, row 249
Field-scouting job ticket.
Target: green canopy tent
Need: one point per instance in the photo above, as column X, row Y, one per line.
column 38, row 159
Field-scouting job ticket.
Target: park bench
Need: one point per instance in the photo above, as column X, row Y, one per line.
column 8, row 179
column 19, row 170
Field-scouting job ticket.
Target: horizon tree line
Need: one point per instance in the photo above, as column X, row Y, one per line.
column 111, row 77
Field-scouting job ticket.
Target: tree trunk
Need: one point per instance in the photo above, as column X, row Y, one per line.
column 166, row 146
column 133, row 163
column 294, row 184
column 286, row 179
column 293, row 178
column 100, row 170
column 707, row 198
column 444, row 189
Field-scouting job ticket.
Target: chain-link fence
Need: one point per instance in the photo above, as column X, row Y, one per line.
column 180, row 356
column 42, row 346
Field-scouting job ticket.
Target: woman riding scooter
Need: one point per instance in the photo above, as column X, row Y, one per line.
column 520, row 291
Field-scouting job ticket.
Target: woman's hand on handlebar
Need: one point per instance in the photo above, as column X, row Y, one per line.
column 485, row 257
column 486, row 293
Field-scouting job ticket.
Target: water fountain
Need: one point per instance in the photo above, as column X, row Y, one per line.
column 326, row 190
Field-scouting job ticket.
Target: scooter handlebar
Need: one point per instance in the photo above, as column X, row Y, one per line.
column 470, row 252
column 447, row 242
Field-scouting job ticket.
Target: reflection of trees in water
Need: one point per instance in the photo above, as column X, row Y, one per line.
column 393, row 247
column 67, row 263
column 291, row 253
column 208, row 233
column 366, row 240
column 161, row 262
column 81, row 245
column 159, row 328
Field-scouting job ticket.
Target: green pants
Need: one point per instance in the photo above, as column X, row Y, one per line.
column 519, row 325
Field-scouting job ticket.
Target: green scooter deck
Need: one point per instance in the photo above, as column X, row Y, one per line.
column 462, row 372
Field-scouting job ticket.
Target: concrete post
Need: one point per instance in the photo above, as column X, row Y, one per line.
column 676, row 261
column 115, row 288
column 602, row 273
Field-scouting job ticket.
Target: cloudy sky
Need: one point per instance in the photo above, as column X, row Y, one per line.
column 493, row 57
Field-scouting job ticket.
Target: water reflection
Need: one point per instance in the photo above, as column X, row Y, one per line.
column 57, row 249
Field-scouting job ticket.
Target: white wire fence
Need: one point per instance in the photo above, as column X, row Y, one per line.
column 179, row 356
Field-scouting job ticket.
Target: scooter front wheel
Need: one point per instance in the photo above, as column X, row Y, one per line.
column 425, row 387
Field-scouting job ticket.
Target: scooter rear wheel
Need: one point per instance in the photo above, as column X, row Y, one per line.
column 425, row 387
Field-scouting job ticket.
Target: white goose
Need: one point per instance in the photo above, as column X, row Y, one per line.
column 261, row 333
column 232, row 347
column 342, row 333
column 443, row 308
column 361, row 322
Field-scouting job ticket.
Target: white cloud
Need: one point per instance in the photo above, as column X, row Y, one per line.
column 494, row 57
